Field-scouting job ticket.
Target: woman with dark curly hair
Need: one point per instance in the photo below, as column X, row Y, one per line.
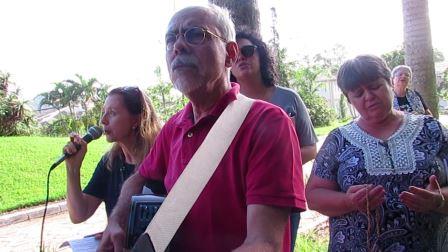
column 256, row 73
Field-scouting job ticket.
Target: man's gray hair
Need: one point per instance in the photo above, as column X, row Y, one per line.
column 399, row 68
column 222, row 18
column 224, row 21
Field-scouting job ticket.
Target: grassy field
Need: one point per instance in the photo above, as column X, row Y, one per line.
column 25, row 162
column 24, row 166
column 323, row 131
column 314, row 241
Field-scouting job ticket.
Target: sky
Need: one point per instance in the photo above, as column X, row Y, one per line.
column 122, row 42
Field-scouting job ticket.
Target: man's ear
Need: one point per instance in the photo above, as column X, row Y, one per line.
column 232, row 52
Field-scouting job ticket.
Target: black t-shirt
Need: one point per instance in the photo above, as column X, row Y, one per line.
column 105, row 184
column 403, row 103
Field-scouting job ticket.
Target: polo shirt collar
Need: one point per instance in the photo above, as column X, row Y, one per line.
column 186, row 115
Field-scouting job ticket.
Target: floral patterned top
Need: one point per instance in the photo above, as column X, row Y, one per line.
column 412, row 102
column 350, row 156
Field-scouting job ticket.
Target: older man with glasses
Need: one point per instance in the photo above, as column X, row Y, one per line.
column 241, row 208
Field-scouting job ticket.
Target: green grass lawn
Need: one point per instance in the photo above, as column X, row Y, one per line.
column 314, row 241
column 25, row 162
column 24, row 166
column 323, row 131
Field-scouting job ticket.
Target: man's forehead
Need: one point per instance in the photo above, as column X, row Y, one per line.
column 188, row 18
column 403, row 70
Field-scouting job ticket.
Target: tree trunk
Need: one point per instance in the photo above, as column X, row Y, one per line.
column 419, row 52
column 245, row 13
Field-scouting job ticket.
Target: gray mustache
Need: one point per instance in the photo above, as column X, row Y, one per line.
column 182, row 61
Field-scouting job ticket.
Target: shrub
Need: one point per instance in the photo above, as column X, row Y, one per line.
column 15, row 116
column 306, row 84
column 342, row 107
column 321, row 114
column 166, row 100
column 63, row 126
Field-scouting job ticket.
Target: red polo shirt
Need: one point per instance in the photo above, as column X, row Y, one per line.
column 261, row 166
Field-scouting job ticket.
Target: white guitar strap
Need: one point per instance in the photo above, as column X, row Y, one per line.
column 197, row 173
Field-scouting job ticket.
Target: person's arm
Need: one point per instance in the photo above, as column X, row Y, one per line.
column 114, row 234
column 425, row 107
column 324, row 196
column 80, row 205
column 308, row 153
column 428, row 199
column 274, row 182
column 322, row 191
column 265, row 228
column 305, row 132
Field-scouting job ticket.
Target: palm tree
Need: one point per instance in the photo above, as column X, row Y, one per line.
column 98, row 98
column 52, row 98
column 63, row 95
column 15, row 116
column 418, row 49
column 86, row 90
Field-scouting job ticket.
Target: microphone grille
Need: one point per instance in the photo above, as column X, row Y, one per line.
column 95, row 132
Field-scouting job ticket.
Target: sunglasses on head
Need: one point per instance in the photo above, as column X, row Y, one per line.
column 248, row 50
column 129, row 89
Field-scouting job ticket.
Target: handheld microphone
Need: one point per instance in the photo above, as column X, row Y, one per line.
column 93, row 133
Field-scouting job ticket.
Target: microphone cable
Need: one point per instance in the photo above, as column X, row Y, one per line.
column 41, row 247
column 93, row 133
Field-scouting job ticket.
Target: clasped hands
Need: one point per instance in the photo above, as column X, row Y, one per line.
column 416, row 199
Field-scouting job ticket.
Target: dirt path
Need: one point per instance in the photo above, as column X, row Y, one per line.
column 25, row 236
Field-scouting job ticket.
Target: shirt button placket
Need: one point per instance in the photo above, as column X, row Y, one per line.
column 186, row 152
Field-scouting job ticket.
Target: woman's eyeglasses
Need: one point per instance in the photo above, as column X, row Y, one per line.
column 248, row 50
column 193, row 36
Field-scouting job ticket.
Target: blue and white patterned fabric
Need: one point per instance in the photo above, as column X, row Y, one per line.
column 414, row 105
column 350, row 156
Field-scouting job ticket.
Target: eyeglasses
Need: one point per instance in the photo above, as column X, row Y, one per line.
column 248, row 50
column 405, row 74
column 193, row 36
